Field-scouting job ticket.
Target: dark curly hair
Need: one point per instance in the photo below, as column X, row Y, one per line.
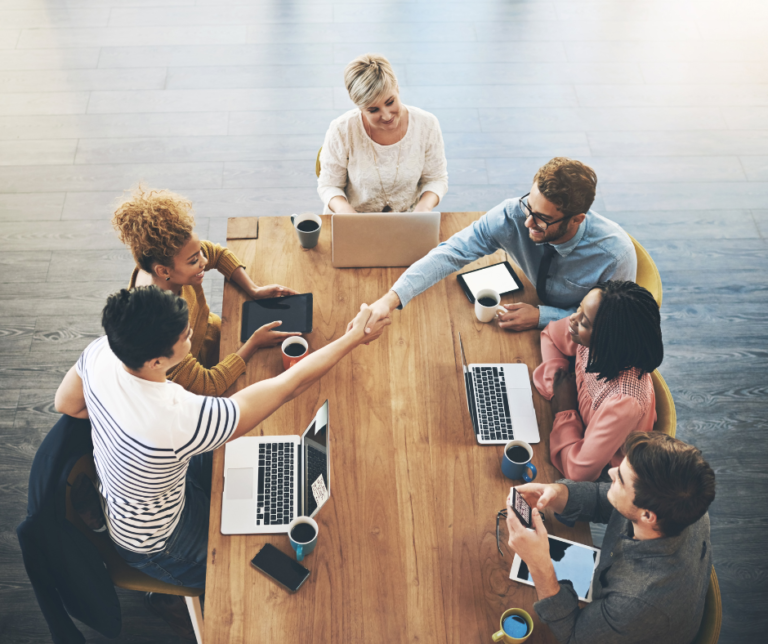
column 155, row 225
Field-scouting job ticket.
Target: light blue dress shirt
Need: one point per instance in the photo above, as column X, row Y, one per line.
column 599, row 251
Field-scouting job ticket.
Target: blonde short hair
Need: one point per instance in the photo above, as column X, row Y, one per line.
column 367, row 78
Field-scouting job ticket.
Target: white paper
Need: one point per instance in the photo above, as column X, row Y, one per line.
column 319, row 491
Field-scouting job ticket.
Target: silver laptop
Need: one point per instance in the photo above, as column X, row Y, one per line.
column 500, row 402
column 383, row 238
column 270, row 480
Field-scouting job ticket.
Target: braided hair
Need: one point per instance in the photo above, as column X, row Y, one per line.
column 626, row 333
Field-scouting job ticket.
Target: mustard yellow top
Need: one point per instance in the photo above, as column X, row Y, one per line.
column 192, row 372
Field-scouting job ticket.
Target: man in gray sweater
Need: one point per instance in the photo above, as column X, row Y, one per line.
column 656, row 558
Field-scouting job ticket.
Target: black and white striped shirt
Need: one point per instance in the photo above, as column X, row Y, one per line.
column 144, row 435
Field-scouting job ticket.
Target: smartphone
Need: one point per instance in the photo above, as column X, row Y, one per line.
column 522, row 509
column 280, row 567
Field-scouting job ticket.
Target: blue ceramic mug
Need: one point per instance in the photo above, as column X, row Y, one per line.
column 302, row 532
column 516, row 462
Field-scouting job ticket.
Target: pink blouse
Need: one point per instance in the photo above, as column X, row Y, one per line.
column 582, row 442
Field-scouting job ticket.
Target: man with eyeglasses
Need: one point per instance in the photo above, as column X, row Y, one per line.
column 563, row 247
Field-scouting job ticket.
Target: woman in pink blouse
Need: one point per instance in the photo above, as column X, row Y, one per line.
column 615, row 336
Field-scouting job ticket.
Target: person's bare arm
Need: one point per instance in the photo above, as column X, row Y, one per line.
column 261, row 399
column 241, row 278
column 70, row 399
column 341, row 206
column 427, row 202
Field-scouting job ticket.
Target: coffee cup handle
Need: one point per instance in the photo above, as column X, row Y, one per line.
column 498, row 636
column 300, row 553
column 292, row 218
column 528, row 478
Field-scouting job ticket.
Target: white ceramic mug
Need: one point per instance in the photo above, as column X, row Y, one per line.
column 486, row 313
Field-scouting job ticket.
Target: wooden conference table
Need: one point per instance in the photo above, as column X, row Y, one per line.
column 407, row 545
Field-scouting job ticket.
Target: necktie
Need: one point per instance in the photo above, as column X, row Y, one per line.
column 541, row 278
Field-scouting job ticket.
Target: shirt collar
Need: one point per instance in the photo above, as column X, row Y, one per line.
column 634, row 548
column 565, row 249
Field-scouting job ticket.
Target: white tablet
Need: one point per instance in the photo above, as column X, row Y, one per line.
column 573, row 562
column 500, row 277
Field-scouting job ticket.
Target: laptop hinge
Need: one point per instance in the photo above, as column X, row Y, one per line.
column 300, row 477
column 471, row 399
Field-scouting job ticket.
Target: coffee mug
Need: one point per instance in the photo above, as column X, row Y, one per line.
column 302, row 532
column 516, row 460
column 292, row 355
column 485, row 311
column 515, row 626
column 307, row 227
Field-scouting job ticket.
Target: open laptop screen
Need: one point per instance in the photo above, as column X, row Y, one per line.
column 316, row 461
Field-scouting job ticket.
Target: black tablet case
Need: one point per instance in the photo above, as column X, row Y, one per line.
column 295, row 311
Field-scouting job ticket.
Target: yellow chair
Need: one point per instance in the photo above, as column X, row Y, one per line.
column 123, row 576
column 317, row 162
column 709, row 631
column 666, row 416
column 647, row 274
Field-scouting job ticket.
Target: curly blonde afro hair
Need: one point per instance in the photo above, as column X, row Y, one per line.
column 155, row 225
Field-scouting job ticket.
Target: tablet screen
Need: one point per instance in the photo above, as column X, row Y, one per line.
column 295, row 312
column 572, row 561
column 496, row 277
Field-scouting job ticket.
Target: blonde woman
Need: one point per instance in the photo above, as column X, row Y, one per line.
column 382, row 156
column 158, row 227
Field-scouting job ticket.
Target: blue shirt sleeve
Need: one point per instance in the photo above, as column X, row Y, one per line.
column 483, row 237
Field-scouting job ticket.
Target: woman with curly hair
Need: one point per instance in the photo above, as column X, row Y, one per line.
column 158, row 227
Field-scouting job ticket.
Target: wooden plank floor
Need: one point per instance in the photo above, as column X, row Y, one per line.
column 227, row 102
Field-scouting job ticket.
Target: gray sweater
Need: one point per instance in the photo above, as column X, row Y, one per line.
column 649, row 591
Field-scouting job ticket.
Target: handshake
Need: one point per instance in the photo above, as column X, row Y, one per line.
column 376, row 317
column 511, row 317
column 362, row 329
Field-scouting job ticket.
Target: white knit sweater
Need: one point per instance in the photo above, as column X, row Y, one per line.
column 348, row 168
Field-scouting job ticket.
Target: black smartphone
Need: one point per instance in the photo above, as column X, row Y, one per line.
column 279, row 566
column 522, row 509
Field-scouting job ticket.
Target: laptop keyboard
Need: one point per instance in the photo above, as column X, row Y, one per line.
column 274, row 505
column 493, row 414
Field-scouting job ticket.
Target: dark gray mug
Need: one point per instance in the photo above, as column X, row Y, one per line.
column 307, row 238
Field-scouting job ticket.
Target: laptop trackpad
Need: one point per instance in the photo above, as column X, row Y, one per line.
column 240, row 483
column 517, row 376
column 520, row 403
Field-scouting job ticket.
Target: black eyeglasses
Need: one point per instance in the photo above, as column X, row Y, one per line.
column 502, row 514
column 540, row 223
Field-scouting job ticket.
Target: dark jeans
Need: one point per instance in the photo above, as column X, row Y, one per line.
column 183, row 560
